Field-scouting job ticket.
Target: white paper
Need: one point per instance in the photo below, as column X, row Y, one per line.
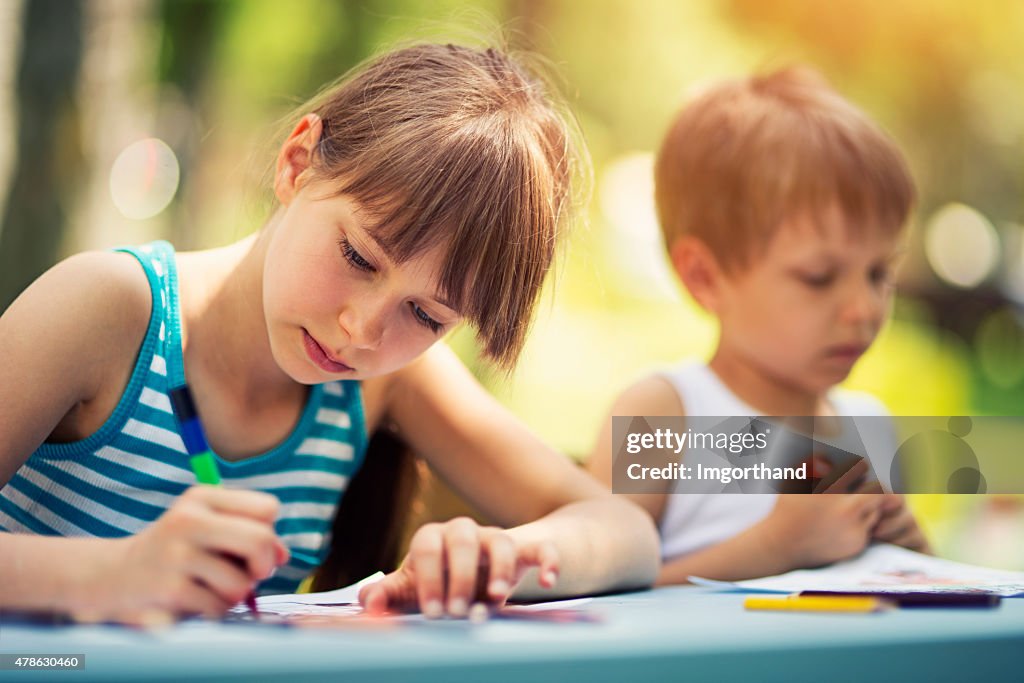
column 335, row 602
column 345, row 602
column 886, row 568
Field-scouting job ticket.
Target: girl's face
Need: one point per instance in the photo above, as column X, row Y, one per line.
column 806, row 308
column 336, row 305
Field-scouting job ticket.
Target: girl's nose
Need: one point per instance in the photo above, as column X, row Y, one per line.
column 364, row 326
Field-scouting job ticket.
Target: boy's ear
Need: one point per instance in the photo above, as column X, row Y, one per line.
column 699, row 271
column 294, row 161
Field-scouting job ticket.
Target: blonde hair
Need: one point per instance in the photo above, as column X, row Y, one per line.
column 464, row 148
column 748, row 154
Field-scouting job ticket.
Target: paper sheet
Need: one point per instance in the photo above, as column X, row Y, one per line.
column 886, row 568
column 333, row 603
column 344, row 602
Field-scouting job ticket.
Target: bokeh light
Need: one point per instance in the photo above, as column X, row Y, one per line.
column 634, row 246
column 1000, row 344
column 144, row 178
column 961, row 245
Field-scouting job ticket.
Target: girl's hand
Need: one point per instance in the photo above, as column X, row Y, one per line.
column 898, row 525
column 202, row 556
column 813, row 530
column 452, row 565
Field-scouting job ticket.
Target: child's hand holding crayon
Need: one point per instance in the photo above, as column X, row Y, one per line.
column 813, row 530
column 898, row 525
column 202, row 556
column 451, row 566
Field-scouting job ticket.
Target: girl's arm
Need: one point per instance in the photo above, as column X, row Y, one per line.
column 61, row 342
column 564, row 522
column 67, row 348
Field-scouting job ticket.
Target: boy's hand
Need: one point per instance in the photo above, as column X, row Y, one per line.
column 202, row 556
column 897, row 525
column 813, row 530
column 452, row 565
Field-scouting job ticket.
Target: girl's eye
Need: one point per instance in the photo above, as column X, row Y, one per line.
column 354, row 257
column 424, row 319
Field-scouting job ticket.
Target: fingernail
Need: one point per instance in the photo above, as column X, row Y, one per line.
column 457, row 607
column 433, row 609
column 498, row 588
column 479, row 613
column 550, row 578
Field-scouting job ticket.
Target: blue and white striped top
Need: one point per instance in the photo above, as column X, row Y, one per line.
column 118, row 480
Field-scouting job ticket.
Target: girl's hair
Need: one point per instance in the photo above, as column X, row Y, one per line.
column 462, row 148
column 747, row 154
column 470, row 151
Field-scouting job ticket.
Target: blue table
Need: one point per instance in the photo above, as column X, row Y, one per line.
column 668, row 634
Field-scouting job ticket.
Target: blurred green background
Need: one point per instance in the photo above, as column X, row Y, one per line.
column 88, row 88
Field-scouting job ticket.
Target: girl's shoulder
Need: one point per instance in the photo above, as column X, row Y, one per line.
column 87, row 316
column 68, row 343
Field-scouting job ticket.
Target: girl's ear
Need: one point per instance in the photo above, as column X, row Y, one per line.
column 699, row 271
column 294, row 161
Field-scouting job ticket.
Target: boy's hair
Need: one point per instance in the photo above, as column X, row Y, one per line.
column 748, row 154
column 463, row 148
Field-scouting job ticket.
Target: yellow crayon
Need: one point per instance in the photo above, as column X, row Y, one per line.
column 797, row 603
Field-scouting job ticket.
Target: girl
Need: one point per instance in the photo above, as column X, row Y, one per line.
column 425, row 189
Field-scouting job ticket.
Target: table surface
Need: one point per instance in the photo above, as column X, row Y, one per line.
column 664, row 634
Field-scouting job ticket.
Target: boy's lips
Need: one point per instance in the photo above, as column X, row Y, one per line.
column 846, row 351
column 320, row 356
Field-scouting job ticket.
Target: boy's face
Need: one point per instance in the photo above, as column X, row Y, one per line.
column 803, row 310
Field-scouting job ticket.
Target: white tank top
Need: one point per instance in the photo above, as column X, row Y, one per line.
column 694, row 521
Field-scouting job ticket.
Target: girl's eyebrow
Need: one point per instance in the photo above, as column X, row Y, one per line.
column 437, row 298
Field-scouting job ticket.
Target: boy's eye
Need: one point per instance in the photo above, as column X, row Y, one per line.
column 423, row 318
column 354, row 257
column 881, row 275
column 816, row 280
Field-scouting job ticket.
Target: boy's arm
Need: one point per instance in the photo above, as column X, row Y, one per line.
column 602, row 542
column 750, row 554
column 651, row 396
column 801, row 531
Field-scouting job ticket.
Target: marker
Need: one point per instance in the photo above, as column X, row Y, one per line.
column 201, row 458
column 797, row 603
column 922, row 599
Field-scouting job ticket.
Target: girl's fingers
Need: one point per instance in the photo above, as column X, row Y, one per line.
column 545, row 557
column 462, row 550
column 256, row 505
column 374, row 598
column 394, row 591
column 426, row 565
column 254, row 543
column 501, row 552
column 185, row 597
column 222, row 575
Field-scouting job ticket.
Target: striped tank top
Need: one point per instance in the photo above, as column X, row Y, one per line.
column 118, row 480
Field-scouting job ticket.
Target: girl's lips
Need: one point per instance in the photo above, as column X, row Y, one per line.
column 319, row 356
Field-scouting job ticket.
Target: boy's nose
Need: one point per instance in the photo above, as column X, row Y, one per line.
column 865, row 305
column 365, row 328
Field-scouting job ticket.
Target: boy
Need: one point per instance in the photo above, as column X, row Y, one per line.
column 782, row 208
